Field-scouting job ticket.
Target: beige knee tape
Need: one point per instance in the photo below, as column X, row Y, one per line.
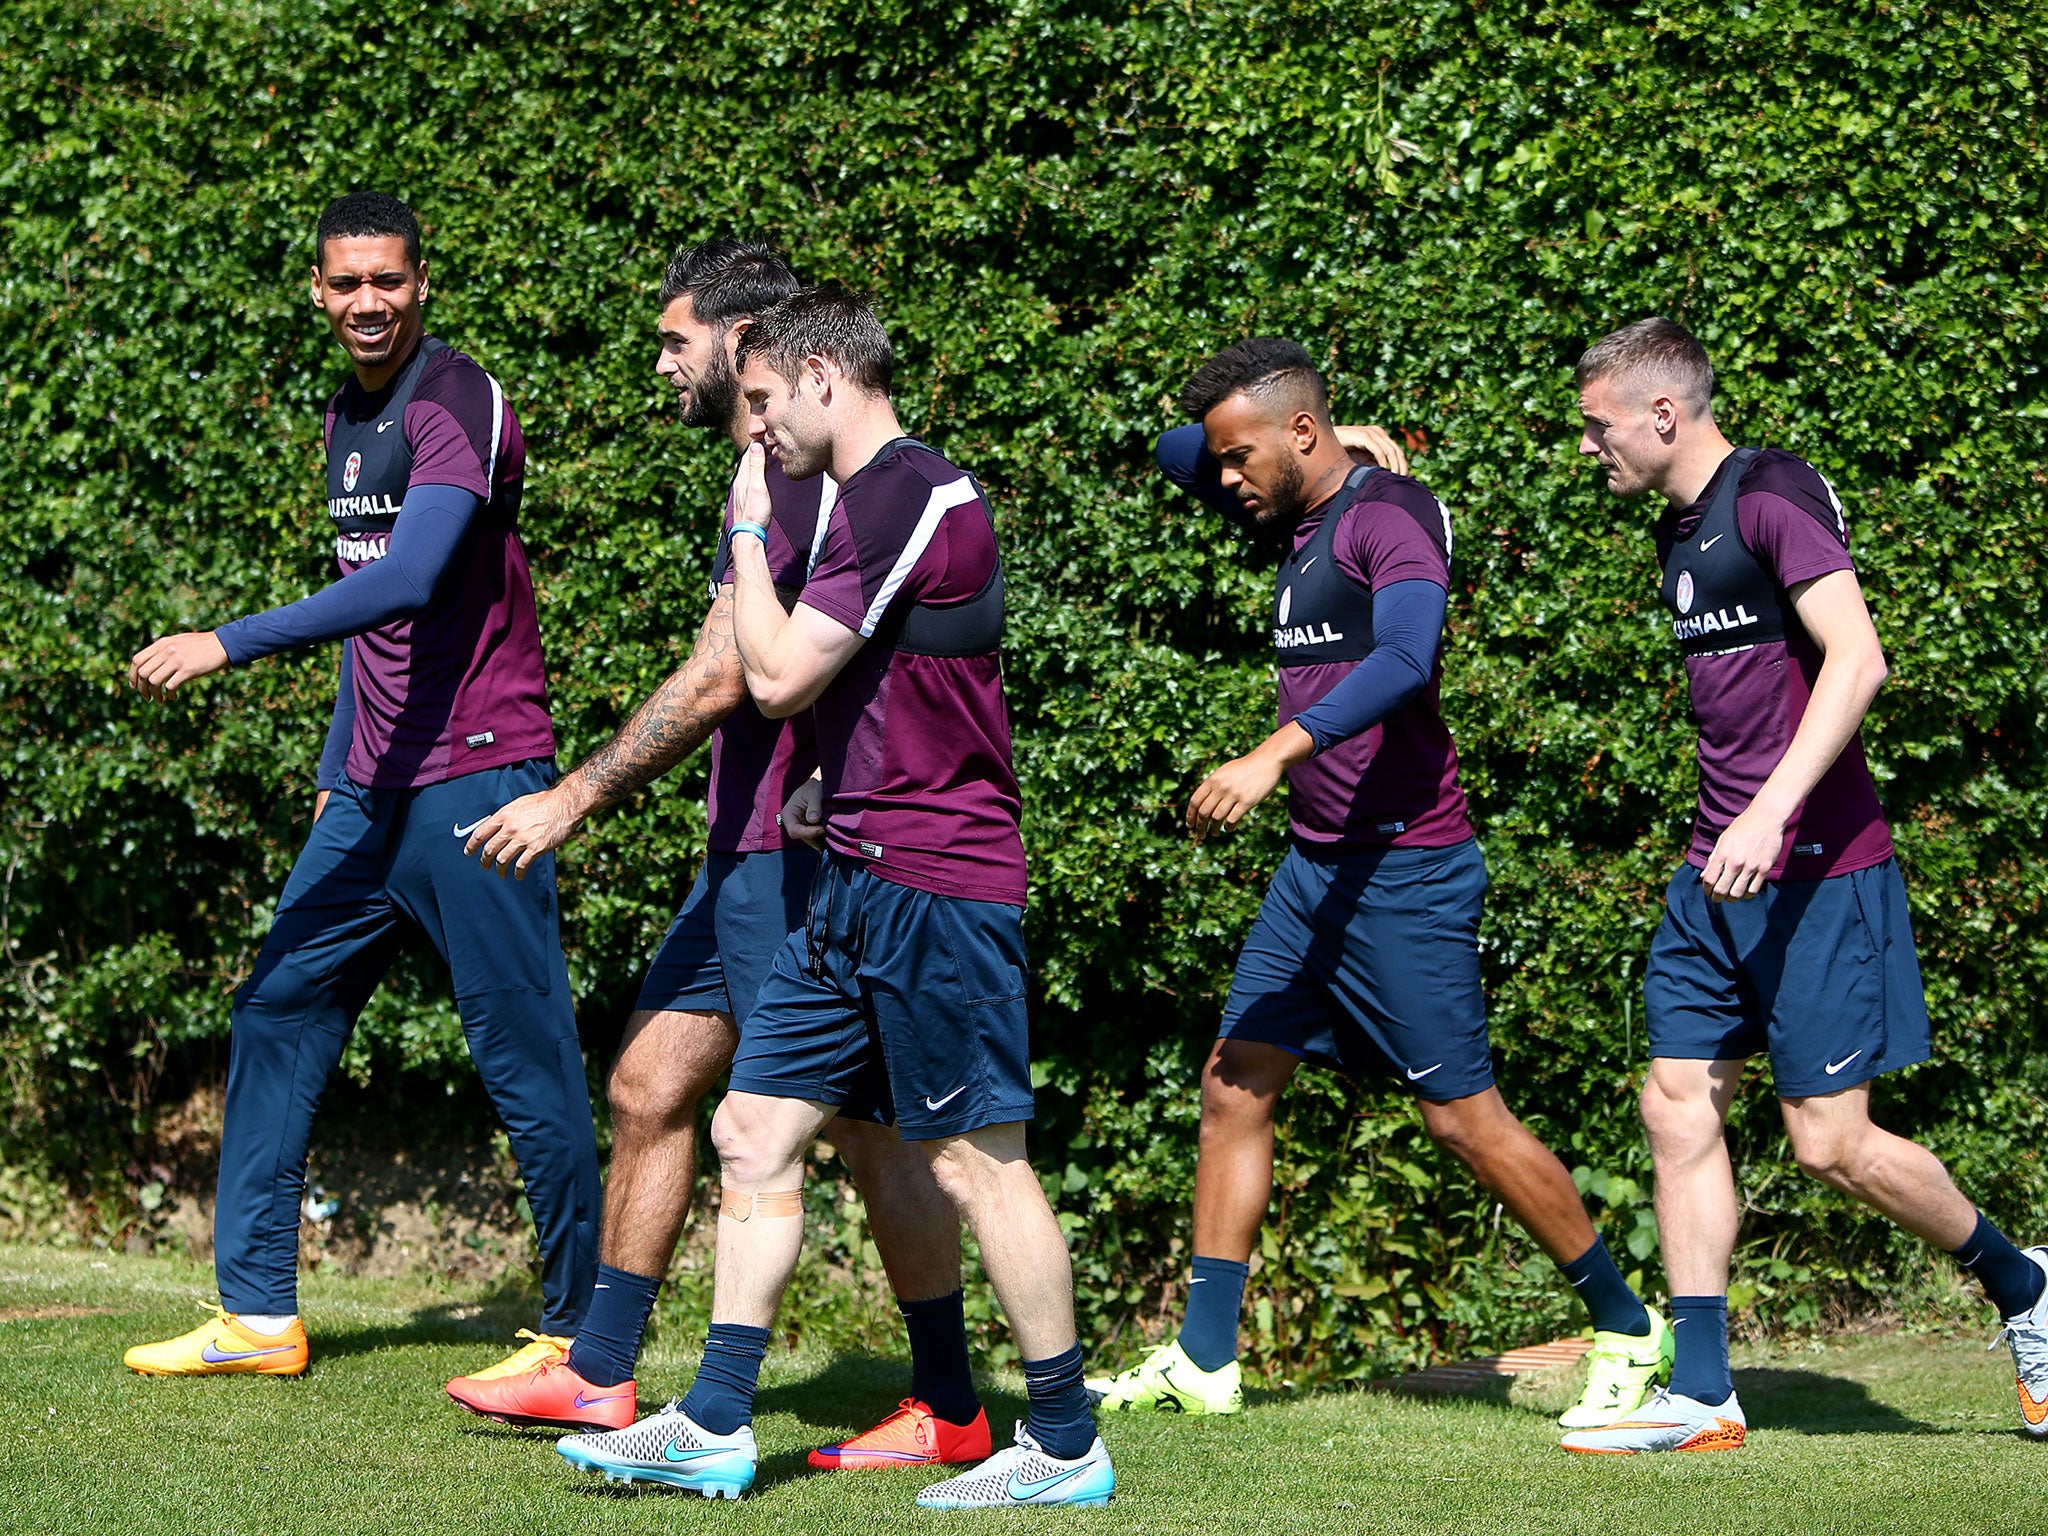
column 740, row 1205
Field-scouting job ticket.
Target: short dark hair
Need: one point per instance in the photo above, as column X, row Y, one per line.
column 367, row 213
column 727, row 280
column 1652, row 350
column 826, row 321
column 1255, row 366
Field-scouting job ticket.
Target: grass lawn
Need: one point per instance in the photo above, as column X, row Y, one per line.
column 1864, row 1435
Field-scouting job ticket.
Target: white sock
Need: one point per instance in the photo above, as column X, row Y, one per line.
column 266, row 1322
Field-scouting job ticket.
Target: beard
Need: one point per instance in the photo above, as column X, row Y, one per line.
column 1283, row 502
column 714, row 394
column 801, row 460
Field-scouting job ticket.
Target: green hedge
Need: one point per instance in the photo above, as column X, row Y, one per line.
column 1060, row 207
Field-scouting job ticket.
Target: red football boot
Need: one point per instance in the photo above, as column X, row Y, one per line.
column 912, row 1436
column 551, row 1395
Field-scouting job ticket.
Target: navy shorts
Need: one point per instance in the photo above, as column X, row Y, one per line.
column 895, row 1005
column 717, row 952
column 1369, row 962
column 1820, row 973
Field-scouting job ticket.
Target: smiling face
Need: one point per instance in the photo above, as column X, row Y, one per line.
column 789, row 419
column 696, row 359
column 373, row 297
column 1255, row 442
column 1629, row 432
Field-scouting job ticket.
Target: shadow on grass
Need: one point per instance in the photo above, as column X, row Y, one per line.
column 1810, row 1403
column 492, row 1319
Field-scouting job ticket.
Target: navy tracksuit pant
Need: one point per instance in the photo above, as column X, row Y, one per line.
column 380, row 861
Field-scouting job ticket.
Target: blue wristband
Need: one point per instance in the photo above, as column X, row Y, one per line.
column 758, row 530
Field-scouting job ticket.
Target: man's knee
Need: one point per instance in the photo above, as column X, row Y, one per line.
column 1833, row 1152
column 1680, row 1122
column 1241, row 1086
column 757, row 1139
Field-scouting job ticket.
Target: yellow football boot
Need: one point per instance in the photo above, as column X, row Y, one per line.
column 545, row 1349
column 223, row 1347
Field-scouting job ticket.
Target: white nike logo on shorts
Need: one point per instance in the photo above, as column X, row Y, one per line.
column 932, row 1103
column 1416, row 1077
column 465, row 831
column 1836, row 1066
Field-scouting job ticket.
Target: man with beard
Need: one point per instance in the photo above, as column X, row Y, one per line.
column 902, row 999
column 703, row 981
column 1364, row 956
column 442, row 714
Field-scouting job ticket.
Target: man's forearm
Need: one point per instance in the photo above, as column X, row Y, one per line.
column 677, row 719
column 758, row 614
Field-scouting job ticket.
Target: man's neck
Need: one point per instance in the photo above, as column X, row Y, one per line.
column 1323, row 476
column 1686, row 478
column 374, row 379
column 868, row 428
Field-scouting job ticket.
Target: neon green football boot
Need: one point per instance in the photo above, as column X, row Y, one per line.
column 1626, row 1372
column 1167, row 1381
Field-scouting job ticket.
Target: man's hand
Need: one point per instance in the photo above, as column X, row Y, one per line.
column 803, row 818
column 750, row 503
column 1372, row 445
column 513, row 836
column 163, row 666
column 320, row 803
column 1743, row 855
column 1223, row 799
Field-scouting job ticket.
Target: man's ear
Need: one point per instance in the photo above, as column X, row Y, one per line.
column 422, row 269
column 733, row 334
column 822, row 375
column 1303, row 432
column 1664, row 415
column 314, row 282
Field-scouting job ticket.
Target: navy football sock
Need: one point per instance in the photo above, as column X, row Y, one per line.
column 1208, row 1335
column 722, row 1396
column 1059, row 1419
column 2011, row 1279
column 940, row 1376
column 607, row 1346
column 1699, row 1327
column 1597, row 1279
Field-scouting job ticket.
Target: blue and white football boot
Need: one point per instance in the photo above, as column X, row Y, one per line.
column 672, row 1449
column 1024, row 1474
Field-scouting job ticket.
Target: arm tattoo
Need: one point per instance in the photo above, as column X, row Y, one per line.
column 677, row 718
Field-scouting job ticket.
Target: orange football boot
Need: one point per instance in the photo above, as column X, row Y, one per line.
column 550, row 1395
column 223, row 1347
column 912, row 1436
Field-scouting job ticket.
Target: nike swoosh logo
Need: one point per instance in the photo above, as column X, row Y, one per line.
column 591, row 1402
column 1416, row 1077
column 1707, row 544
column 382, row 425
column 2033, row 1409
column 214, row 1356
column 1204, row 1279
column 465, row 831
column 1836, row 1066
column 931, row 1103
column 1022, row 1490
column 1311, row 560
column 676, row 1451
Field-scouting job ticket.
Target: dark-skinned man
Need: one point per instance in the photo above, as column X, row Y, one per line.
column 441, row 716
column 1364, row 956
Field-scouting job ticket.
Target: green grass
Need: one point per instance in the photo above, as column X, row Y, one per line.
column 1863, row 1435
